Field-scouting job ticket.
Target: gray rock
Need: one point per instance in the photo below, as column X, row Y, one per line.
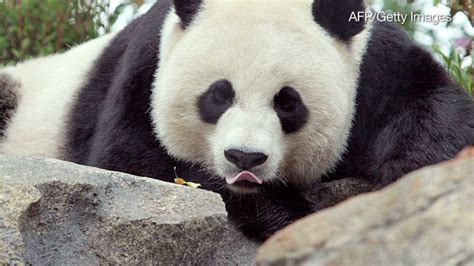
column 52, row 212
column 426, row 218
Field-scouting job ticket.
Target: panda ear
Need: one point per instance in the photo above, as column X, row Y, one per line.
column 339, row 17
column 187, row 10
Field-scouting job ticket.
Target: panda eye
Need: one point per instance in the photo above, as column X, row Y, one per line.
column 222, row 93
column 286, row 100
column 213, row 103
column 286, row 105
column 290, row 109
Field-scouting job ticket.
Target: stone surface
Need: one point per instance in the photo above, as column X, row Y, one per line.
column 426, row 218
column 52, row 212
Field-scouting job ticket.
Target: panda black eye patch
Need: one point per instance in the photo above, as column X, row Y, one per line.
column 215, row 101
column 290, row 109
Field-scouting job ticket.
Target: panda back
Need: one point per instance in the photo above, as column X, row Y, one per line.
column 44, row 92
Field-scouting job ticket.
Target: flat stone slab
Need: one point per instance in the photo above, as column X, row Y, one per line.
column 54, row 212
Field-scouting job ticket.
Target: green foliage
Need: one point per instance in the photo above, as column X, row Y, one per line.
column 32, row 28
column 453, row 61
column 463, row 75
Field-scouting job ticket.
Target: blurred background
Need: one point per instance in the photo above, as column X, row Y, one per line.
column 32, row 28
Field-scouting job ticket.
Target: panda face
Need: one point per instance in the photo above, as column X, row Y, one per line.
column 256, row 93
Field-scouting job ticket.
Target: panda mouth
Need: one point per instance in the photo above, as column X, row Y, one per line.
column 245, row 185
column 244, row 179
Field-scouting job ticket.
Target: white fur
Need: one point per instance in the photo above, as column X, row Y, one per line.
column 260, row 48
column 48, row 86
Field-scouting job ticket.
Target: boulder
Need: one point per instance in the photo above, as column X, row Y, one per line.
column 53, row 212
column 426, row 218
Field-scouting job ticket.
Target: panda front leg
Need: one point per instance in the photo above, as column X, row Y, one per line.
column 428, row 131
column 260, row 215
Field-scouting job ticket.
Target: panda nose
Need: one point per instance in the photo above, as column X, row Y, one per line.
column 245, row 160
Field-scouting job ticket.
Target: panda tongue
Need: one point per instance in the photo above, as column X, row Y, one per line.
column 244, row 176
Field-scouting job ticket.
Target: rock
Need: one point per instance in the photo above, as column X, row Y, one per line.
column 426, row 218
column 53, row 212
column 466, row 153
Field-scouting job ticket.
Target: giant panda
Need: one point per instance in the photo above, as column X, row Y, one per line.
column 255, row 100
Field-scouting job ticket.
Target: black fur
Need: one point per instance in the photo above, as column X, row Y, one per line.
column 215, row 101
column 187, row 10
column 291, row 110
column 8, row 100
column 334, row 16
column 110, row 125
column 409, row 114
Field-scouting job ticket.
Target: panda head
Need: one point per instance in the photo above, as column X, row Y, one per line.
column 258, row 92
